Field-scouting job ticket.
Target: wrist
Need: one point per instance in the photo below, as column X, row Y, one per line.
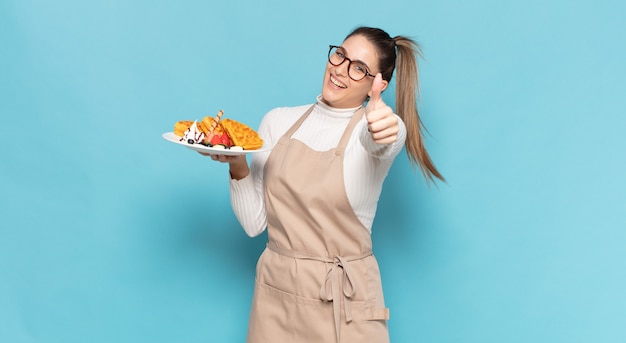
column 239, row 169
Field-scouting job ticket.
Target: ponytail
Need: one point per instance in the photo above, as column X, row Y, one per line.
column 402, row 52
column 407, row 86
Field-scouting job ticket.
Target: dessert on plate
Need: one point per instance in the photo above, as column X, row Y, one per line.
column 218, row 134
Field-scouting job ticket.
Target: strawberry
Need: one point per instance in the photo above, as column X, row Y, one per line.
column 226, row 140
column 220, row 139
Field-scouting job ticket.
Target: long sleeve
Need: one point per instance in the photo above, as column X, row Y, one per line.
column 247, row 196
column 248, row 204
column 366, row 163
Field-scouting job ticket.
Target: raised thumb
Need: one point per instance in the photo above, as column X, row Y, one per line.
column 377, row 88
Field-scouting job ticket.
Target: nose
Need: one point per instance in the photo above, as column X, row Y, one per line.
column 342, row 69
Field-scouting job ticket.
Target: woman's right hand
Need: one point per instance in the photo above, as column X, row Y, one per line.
column 238, row 164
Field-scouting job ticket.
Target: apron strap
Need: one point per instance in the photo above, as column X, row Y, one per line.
column 343, row 142
column 299, row 122
column 356, row 117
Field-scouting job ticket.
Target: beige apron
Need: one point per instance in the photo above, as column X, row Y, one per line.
column 317, row 280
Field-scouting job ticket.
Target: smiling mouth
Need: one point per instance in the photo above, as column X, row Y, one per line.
column 336, row 82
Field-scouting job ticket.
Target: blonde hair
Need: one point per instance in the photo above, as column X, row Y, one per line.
column 404, row 52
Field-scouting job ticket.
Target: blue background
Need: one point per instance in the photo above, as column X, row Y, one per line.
column 111, row 234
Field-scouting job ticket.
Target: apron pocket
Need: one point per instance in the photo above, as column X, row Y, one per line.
column 263, row 288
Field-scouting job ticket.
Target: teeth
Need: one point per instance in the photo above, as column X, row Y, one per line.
column 337, row 83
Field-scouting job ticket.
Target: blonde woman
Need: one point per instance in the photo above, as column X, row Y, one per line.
column 316, row 193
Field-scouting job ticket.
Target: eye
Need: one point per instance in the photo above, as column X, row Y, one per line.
column 361, row 68
column 340, row 54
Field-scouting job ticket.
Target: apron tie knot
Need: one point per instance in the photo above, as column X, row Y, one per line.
column 339, row 274
column 339, row 280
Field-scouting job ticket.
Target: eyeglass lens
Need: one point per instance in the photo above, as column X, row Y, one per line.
column 356, row 70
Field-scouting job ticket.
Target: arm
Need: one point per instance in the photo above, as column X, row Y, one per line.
column 387, row 151
column 385, row 133
column 247, row 195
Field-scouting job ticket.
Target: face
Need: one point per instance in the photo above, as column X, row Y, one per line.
column 339, row 90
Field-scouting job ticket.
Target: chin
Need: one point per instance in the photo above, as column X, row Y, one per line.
column 332, row 101
column 328, row 97
column 337, row 98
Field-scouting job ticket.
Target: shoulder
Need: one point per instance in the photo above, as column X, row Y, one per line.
column 281, row 116
column 286, row 112
column 278, row 120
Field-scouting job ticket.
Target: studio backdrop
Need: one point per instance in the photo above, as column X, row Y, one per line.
column 109, row 233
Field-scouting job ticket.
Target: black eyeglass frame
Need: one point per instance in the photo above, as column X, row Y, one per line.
column 330, row 49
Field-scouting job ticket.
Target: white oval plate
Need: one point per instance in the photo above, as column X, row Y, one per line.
column 171, row 137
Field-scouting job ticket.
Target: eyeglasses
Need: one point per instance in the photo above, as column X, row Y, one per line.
column 357, row 71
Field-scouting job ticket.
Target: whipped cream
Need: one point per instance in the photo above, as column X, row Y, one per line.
column 193, row 135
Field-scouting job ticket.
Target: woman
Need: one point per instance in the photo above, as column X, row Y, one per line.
column 316, row 193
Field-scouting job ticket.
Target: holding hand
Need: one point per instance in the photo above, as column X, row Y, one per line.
column 381, row 121
column 238, row 164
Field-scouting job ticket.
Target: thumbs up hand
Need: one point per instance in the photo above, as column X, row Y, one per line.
column 381, row 121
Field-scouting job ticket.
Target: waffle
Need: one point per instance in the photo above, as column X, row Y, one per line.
column 181, row 126
column 241, row 134
column 205, row 126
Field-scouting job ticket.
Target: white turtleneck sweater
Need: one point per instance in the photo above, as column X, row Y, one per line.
column 366, row 163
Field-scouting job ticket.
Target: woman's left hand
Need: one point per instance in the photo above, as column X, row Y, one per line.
column 382, row 123
column 238, row 164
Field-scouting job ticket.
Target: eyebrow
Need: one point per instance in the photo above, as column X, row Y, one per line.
column 346, row 52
